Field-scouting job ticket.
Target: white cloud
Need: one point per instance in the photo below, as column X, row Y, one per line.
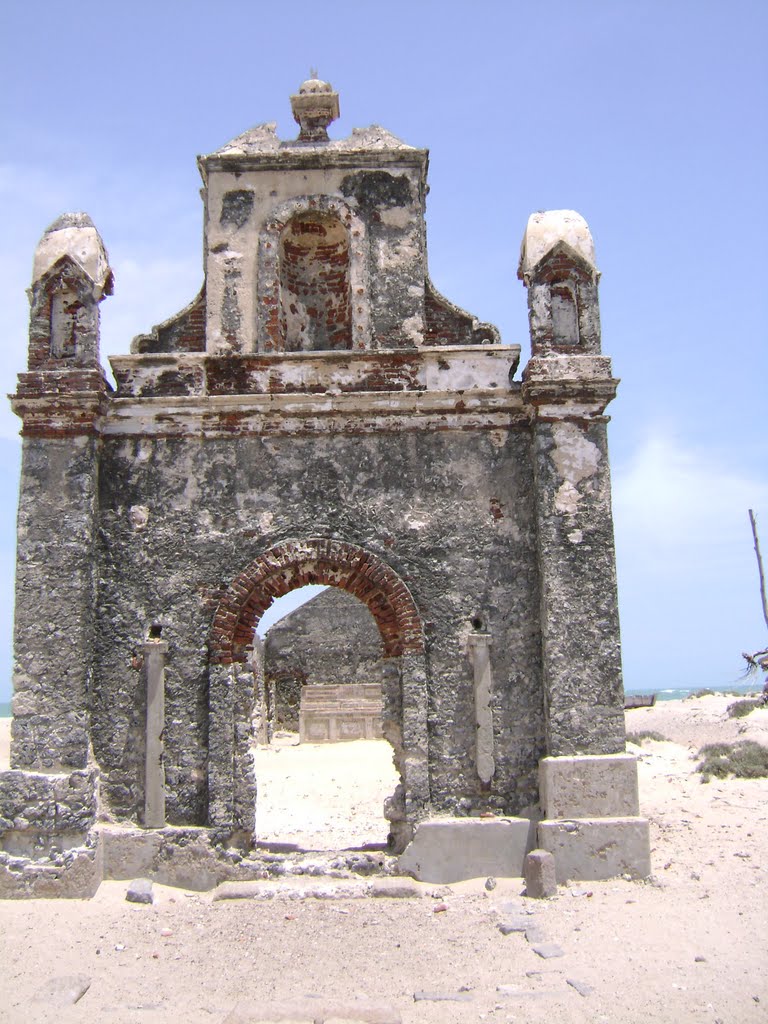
column 688, row 581
column 675, row 499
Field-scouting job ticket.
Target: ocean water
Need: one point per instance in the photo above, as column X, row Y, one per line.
column 5, row 710
column 681, row 692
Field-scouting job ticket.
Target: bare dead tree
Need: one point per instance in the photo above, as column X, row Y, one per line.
column 753, row 524
column 759, row 659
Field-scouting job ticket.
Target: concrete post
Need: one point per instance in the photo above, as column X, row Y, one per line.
column 155, row 652
column 479, row 653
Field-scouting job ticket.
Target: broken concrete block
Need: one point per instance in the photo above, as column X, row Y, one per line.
column 448, row 850
column 580, row 986
column 140, row 891
column 540, row 880
column 589, row 786
column 588, row 849
column 395, row 888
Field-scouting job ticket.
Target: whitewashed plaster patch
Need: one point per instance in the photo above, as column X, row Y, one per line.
column 139, row 516
column 576, row 458
column 567, row 498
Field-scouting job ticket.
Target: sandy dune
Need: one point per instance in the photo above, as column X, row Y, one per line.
column 686, row 947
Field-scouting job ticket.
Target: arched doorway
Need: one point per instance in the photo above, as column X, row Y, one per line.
column 293, row 564
column 325, row 771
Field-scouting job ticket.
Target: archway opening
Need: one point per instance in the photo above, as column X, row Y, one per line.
column 278, row 571
column 315, row 305
column 325, row 763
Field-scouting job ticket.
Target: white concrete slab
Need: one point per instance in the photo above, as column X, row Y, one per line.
column 445, row 850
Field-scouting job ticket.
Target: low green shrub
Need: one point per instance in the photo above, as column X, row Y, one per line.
column 646, row 734
column 741, row 708
column 744, row 760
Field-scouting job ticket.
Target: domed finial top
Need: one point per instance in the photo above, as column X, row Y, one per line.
column 314, row 107
column 74, row 235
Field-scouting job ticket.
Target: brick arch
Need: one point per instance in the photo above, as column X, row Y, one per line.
column 296, row 563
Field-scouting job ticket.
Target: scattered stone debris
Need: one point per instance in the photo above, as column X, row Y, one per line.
column 65, row 990
column 548, row 950
column 580, row 986
column 442, row 997
column 140, row 891
column 514, row 924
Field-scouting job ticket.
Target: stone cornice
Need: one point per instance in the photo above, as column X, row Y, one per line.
column 311, row 158
column 443, row 368
column 61, row 403
column 297, row 415
column 577, row 398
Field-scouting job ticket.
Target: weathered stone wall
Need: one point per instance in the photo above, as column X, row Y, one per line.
column 331, row 639
column 55, row 596
column 214, row 505
column 580, row 618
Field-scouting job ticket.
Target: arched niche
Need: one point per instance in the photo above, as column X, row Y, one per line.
column 294, row 261
column 315, row 299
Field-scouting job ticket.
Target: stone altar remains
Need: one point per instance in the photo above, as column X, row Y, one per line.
column 318, row 413
column 333, row 638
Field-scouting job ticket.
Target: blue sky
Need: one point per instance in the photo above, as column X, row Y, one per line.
column 646, row 117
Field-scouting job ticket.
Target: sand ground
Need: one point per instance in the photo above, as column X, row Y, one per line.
column 687, row 946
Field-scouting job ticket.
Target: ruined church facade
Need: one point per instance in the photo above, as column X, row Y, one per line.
column 319, row 413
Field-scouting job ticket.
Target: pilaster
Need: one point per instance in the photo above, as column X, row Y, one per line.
column 60, row 400
column 566, row 387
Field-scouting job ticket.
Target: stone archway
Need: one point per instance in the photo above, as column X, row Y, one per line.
column 286, row 567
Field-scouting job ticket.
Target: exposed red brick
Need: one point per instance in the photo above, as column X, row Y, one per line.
column 324, row 561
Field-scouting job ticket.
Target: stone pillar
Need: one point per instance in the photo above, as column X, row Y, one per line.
column 155, row 652
column 60, row 400
column 262, row 719
column 415, row 760
column 588, row 786
column 479, row 652
column 231, row 779
column 581, row 653
column 567, row 385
